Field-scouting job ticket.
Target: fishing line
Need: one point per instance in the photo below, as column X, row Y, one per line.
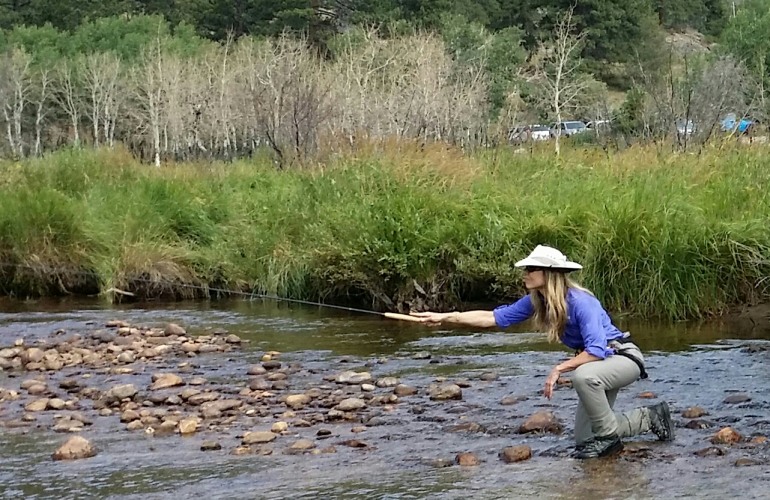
column 207, row 290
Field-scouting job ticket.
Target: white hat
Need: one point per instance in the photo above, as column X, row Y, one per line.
column 543, row 256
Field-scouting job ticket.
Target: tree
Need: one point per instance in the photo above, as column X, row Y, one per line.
column 559, row 71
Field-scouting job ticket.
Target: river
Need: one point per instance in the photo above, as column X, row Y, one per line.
column 410, row 445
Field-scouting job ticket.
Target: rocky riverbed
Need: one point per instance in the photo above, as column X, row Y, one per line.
column 157, row 409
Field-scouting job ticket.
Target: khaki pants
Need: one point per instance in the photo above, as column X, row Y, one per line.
column 597, row 384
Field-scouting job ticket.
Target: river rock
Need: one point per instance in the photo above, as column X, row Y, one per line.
column 76, row 447
column 746, row 462
column 259, row 384
column 445, row 392
column 698, row 423
column 165, row 380
column 32, row 355
column 350, row 404
column 512, row 400
column 541, row 421
column 728, row 435
column 467, row 459
column 302, row 445
column 694, row 412
column 402, row 390
column 647, row 395
column 136, row 425
column 354, row 443
column 119, row 393
column 189, row 425
column 513, row 454
column 468, row 427
column 297, row 401
column 221, row 405
column 210, row 446
column 353, row 378
column 256, row 370
column 174, row 329
column 203, row 397
column 126, row 357
column 279, row 427
column 271, row 365
column 258, row 437
column 737, row 398
column 37, row 405
column 758, row 440
column 387, row 382
column 37, row 389
column 489, row 376
column 711, row 451
column 368, row 387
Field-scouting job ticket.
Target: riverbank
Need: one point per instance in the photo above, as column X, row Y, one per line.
column 396, row 227
column 352, row 405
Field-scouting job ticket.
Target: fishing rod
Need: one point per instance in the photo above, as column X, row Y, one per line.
column 252, row 295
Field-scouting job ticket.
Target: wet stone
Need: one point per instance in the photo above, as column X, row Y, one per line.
column 258, row 437
column 711, row 451
column 438, row 463
column 421, row 355
column 737, row 398
column 489, row 376
column 513, row 454
column 694, row 412
column 699, row 424
column 647, row 395
column 75, row 448
column 728, row 435
column 542, row 421
column 387, row 382
column 271, row 365
column 445, row 392
column 402, row 390
column 468, row 427
column 210, row 446
column 467, row 459
column 512, row 400
column 746, row 462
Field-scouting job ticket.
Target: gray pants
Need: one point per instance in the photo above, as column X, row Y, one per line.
column 597, row 384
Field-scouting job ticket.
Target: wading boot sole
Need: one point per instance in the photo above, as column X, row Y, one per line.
column 599, row 447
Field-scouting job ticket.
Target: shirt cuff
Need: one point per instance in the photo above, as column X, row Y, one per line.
column 599, row 352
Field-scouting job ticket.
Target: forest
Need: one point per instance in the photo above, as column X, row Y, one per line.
column 187, row 79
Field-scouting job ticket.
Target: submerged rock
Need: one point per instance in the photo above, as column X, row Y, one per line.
column 694, row 412
column 513, row 454
column 542, row 421
column 75, row 448
column 445, row 392
column 728, row 435
column 467, row 459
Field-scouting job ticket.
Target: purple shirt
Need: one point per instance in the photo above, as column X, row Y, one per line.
column 588, row 325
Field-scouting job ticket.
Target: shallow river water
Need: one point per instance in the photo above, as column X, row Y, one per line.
column 411, row 444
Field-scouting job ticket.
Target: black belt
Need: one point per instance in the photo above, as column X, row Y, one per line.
column 625, row 354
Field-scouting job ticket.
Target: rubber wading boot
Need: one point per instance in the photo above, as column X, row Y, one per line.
column 660, row 421
column 599, row 446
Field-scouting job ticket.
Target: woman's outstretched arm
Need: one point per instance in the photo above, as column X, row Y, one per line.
column 480, row 319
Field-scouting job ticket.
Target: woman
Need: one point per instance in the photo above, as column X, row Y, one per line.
column 605, row 358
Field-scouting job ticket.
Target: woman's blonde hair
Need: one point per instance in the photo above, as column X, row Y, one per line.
column 550, row 304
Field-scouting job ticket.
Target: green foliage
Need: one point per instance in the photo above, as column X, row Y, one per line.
column 748, row 36
column 628, row 119
column 677, row 238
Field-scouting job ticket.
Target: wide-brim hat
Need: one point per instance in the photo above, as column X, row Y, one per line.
column 550, row 258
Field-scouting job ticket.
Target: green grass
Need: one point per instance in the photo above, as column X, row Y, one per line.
column 676, row 237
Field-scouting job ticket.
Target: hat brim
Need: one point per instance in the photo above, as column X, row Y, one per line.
column 530, row 262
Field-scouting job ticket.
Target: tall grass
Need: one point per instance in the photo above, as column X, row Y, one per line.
column 394, row 226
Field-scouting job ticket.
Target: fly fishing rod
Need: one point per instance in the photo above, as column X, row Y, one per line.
column 207, row 290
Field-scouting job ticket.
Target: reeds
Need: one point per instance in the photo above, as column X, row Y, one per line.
column 394, row 225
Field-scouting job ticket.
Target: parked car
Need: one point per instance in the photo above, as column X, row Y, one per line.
column 730, row 123
column 529, row 133
column 598, row 125
column 568, row 128
column 540, row 133
column 685, row 128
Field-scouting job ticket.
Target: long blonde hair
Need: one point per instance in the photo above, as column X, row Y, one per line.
column 550, row 304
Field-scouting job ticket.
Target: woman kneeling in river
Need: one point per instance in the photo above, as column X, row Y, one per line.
column 606, row 359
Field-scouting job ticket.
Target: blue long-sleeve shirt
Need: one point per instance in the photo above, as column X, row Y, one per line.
column 588, row 325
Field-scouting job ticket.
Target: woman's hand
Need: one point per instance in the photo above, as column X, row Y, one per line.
column 550, row 382
column 432, row 318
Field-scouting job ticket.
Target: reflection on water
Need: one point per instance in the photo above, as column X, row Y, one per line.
column 690, row 364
